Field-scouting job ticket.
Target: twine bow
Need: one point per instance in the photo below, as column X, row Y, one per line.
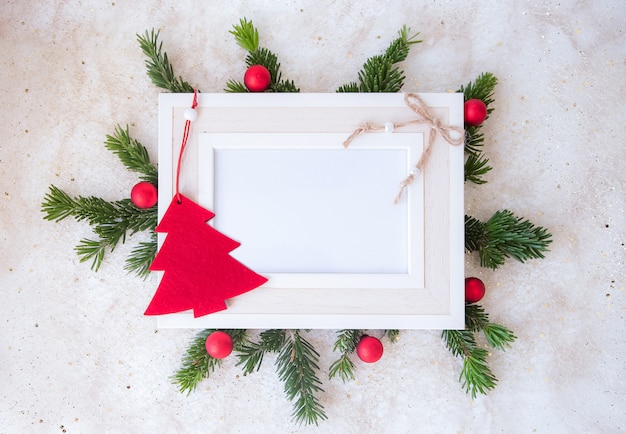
column 419, row 107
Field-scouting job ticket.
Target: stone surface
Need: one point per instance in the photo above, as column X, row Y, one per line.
column 77, row 354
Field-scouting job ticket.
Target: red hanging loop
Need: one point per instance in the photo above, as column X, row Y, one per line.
column 183, row 145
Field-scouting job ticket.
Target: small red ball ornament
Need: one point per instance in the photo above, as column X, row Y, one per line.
column 219, row 345
column 369, row 349
column 475, row 112
column 144, row 195
column 257, row 78
column 474, row 289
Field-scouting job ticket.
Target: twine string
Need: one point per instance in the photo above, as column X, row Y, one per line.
column 424, row 116
column 183, row 145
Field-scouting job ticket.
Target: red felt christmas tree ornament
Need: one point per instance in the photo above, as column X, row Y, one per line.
column 474, row 290
column 475, row 112
column 219, row 345
column 199, row 274
column 257, row 78
column 369, row 349
column 144, row 195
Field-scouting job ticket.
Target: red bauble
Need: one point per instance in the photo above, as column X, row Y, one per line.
column 475, row 112
column 474, row 289
column 219, row 345
column 369, row 349
column 144, row 195
column 257, row 78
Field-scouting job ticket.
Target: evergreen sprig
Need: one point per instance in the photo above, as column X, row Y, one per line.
column 112, row 221
column 476, row 163
column 503, row 236
column 132, row 154
column 379, row 73
column 252, row 353
column 247, row 36
column 476, row 375
column 198, row 364
column 296, row 365
column 159, row 68
column 346, row 343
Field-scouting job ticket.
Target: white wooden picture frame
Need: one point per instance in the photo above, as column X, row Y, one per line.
column 317, row 219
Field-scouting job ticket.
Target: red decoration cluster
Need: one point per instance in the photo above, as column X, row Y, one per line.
column 474, row 290
column 257, row 78
column 475, row 112
column 369, row 349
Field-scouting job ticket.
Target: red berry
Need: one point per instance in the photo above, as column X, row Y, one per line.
column 257, row 78
column 369, row 349
column 144, row 195
column 475, row 112
column 474, row 289
column 219, row 345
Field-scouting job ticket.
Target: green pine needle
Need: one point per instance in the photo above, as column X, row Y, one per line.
column 158, row 66
column 379, row 73
column 132, row 154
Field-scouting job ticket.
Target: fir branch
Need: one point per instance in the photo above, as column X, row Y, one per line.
column 296, row 366
column 482, row 88
column 198, row 364
column 346, row 343
column 379, row 73
column 111, row 221
column 251, row 353
column 505, row 236
column 247, row 37
column 475, row 167
column 475, row 317
column 142, row 256
column 476, row 376
column 475, row 236
column 476, row 164
column 498, row 336
column 158, row 66
column 92, row 249
column 133, row 155
column 58, row 205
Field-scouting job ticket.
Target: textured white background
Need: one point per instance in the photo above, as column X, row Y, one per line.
column 76, row 353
